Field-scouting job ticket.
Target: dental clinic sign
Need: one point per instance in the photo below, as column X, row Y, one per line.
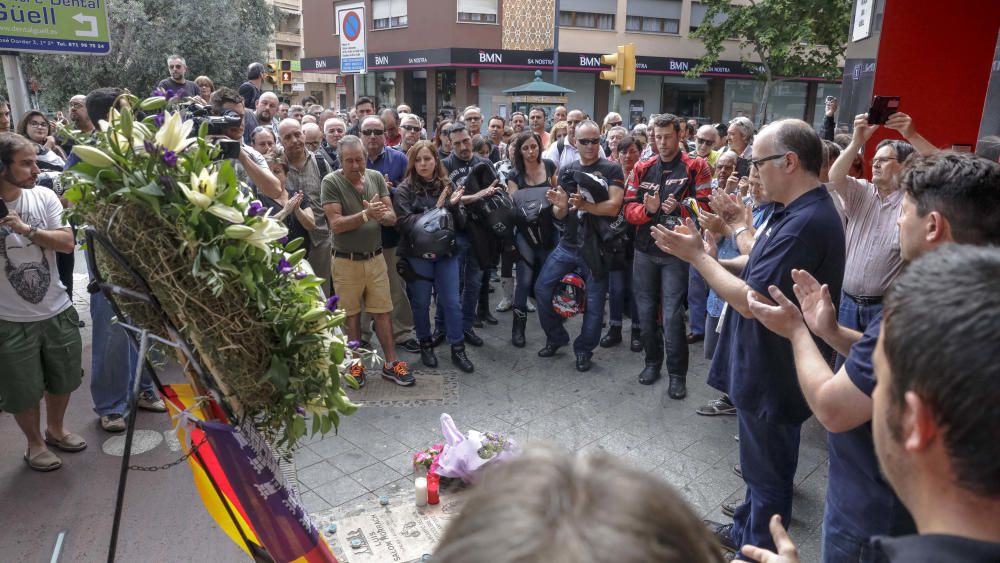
column 55, row 26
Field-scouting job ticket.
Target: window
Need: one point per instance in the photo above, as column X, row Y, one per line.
column 387, row 14
column 653, row 16
column 698, row 11
column 477, row 11
column 587, row 19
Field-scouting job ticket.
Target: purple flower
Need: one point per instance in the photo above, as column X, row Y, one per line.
column 283, row 240
column 159, row 92
column 354, row 344
column 170, row 158
column 284, row 268
column 300, row 410
column 255, row 208
column 167, row 182
column 331, row 303
column 300, row 275
column 149, row 146
column 158, row 120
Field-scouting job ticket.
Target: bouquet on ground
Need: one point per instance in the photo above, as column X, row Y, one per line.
column 464, row 456
column 427, row 460
column 220, row 267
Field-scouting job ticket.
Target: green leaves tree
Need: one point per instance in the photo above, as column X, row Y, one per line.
column 790, row 38
column 217, row 39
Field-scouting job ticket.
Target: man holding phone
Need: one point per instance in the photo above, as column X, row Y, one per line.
column 871, row 209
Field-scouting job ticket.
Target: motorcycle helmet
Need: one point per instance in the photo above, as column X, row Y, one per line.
column 433, row 235
column 570, row 296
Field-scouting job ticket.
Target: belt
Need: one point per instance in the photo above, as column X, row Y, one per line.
column 865, row 300
column 357, row 256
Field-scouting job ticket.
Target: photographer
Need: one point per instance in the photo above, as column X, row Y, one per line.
column 249, row 165
column 40, row 346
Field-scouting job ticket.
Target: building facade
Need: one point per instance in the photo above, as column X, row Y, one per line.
column 439, row 56
column 286, row 44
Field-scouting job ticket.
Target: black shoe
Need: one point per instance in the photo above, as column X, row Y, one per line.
column 460, row 359
column 717, row 407
column 517, row 330
column 738, row 470
column 723, row 534
column 484, row 315
column 692, row 337
column 427, row 354
column 472, row 338
column 583, row 362
column 411, row 345
column 477, row 322
column 729, row 508
column 636, row 344
column 649, row 375
column 612, row 338
column 678, row 387
column 548, row 351
column 437, row 338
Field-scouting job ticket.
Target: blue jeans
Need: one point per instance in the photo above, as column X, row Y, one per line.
column 697, row 301
column 841, row 544
column 444, row 273
column 113, row 361
column 471, row 277
column 560, row 262
column 854, row 316
column 664, row 278
column 769, row 454
column 621, row 295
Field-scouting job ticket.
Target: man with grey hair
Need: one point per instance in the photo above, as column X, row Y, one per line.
column 334, row 130
column 356, row 204
column 304, row 175
column 613, row 136
column 175, row 82
column 410, row 127
column 740, row 135
column 250, row 90
column 706, row 138
column 296, row 112
column 313, row 136
column 473, row 118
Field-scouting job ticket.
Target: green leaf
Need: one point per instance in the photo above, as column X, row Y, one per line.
column 277, row 373
column 294, row 245
column 152, row 188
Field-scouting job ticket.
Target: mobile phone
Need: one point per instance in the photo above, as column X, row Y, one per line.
column 3, row 209
column 882, row 108
column 830, row 99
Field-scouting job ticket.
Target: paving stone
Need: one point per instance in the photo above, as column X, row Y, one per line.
column 318, row 474
column 340, row 490
column 375, row 476
column 313, row 502
column 352, row 460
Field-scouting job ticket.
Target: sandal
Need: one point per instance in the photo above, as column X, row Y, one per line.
column 44, row 461
column 68, row 443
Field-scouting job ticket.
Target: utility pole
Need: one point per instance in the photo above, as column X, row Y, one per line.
column 555, row 47
column 16, row 85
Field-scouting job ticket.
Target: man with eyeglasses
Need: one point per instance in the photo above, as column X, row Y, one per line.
column 753, row 365
column 871, row 209
column 587, row 214
column 411, row 130
column 334, row 130
column 658, row 194
column 706, row 138
column 391, row 164
column 79, row 121
column 564, row 152
column 176, row 82
column 313, row 136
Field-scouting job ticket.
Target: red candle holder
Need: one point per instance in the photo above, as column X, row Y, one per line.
column 433, row 488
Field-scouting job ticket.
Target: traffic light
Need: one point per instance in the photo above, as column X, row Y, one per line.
column 622, row 72
column 286, row 76
column 271, row 73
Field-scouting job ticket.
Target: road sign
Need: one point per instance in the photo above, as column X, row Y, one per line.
column 353, row 54
column 55, row 27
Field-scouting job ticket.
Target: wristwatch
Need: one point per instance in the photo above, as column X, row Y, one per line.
column 738, row 232
column 31, row 233
column 364, row 216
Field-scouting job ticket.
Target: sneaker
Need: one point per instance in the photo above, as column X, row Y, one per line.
column 411, row 346
column 357, row 371
column 398, row 373
column 531, row 306
column 113, row 423
column 717, row 407
column 723, row 534
column 148, row 401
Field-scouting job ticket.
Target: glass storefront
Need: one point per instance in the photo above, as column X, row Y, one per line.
column 742, row 98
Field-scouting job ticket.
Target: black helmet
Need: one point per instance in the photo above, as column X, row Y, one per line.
column 433, row 235
column 480, row 178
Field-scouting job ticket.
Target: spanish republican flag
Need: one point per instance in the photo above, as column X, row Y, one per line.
column 250, row 499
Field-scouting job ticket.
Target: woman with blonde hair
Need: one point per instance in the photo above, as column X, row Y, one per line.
column 559, row 130
column 205, row 89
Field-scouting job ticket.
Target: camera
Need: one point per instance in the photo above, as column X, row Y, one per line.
column 217, row 124
column 52, row 181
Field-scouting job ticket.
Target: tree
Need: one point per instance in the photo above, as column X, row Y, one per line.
column 217, row 39
column 791, row 38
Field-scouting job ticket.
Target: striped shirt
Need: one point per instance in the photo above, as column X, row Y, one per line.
column 873, row 259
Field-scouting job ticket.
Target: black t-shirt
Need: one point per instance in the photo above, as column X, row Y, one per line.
column 295, row 228
column 611, row 172
column 459, row 169
column 185, row 90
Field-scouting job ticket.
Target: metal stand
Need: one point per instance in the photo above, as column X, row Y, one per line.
column 142, row 338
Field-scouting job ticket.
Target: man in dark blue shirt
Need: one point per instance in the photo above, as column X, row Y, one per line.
column 756, row 366
column 860, row 502
column 582, row 217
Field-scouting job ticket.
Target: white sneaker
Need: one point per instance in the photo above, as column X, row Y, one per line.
column 148, row 401
column 531, row 306
column 113, row 423
column 507, row 302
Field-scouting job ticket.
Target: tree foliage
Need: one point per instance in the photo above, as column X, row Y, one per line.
column 791, row 38
column 217, row 39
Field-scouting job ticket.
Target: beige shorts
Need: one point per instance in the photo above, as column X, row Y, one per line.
column 362, row 283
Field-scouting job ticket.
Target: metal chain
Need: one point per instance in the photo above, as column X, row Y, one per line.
column 172, row 463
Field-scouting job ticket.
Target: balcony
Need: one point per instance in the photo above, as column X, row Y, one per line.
column 288, row 38
column 292, row 5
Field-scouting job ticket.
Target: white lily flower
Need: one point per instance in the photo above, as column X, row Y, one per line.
column 226, row 213
column 204, row 182
column 174, row 134
column 266, row 231
column 199, row 199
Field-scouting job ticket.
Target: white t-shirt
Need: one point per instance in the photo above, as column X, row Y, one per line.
column 30, row 289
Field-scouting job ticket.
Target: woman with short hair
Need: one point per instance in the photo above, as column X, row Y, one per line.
column 37, row 128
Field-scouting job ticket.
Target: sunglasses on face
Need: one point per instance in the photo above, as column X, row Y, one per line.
column 373, row 132
column 614, row 123
column 411, row 128
column 593, row 141
column 701, row 141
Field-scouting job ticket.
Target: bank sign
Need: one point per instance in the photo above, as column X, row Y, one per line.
column 55, row 26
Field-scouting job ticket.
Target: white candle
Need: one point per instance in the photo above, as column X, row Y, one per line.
column 420, row 490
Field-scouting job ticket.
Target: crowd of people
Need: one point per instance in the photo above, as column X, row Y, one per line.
column 871, row 304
